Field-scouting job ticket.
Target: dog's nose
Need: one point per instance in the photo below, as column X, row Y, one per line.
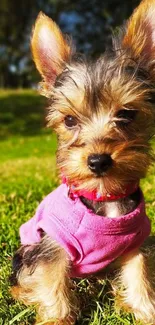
column 99, row 163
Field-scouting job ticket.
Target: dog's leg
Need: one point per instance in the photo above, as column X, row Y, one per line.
column 135, row 287
column 42, row 275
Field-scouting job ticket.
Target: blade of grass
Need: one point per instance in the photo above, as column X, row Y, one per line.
column 20, row 315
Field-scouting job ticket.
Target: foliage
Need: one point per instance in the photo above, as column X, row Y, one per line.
column 89, row 22
column 28, row 173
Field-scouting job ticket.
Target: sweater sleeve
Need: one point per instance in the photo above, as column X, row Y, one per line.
column 29, row 233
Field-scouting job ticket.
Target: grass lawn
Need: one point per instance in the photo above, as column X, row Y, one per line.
column 27, row 174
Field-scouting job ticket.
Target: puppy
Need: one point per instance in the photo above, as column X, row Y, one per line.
column 103, row 114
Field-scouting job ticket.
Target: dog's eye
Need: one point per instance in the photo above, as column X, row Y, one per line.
column 125, row 116
column 70, row 121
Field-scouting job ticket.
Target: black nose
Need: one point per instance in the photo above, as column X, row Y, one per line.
column 99, row 163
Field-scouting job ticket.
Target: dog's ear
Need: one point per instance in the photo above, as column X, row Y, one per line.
column 49, row 48
column 140, row 32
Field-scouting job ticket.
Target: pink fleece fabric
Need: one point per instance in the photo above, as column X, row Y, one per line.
column 91, row 241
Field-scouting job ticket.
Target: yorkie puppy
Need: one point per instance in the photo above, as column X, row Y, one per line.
column 103, row 114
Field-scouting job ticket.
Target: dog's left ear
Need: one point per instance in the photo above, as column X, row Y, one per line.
column 50, row 49
column 139, row 37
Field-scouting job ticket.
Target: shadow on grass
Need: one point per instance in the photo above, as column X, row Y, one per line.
column 22, row 112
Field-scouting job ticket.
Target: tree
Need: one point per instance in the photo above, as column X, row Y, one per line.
column 89, row 22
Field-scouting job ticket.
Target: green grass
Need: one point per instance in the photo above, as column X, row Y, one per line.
column 27, row 174
column 21, row 113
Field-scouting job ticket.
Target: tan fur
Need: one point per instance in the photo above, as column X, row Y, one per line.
column 49, row 58
column 135, row 287
column 48, row 287
column 139, row 30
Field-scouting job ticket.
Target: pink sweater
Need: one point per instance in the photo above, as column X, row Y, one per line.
column 91, row 241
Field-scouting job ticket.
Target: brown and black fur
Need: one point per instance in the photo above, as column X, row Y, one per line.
column 112, row 105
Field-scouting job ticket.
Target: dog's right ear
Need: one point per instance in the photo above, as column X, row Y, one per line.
column 49, row 48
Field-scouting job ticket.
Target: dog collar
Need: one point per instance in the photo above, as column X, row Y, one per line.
column 97, row 196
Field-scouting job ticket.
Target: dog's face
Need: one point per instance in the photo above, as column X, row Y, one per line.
column 101, row 111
